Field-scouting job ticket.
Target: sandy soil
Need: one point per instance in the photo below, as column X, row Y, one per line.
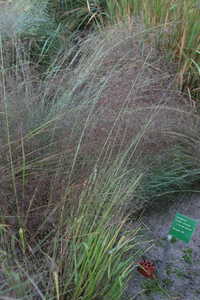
column 181, row 263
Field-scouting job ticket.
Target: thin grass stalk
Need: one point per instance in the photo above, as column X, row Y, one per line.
column 12, row 168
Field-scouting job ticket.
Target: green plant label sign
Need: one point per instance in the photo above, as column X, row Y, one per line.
column 183, row 227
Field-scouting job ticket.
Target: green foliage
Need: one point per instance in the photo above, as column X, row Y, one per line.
column 187, row 257
column 101, row 265
column 169, row 175
column 79, row 14
column 155, row 286
column 86, row 257
column 31, row 23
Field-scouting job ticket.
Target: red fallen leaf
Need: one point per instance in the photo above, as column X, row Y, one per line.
column 147, row 269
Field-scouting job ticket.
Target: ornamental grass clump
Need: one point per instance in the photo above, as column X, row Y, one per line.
column 64, row 234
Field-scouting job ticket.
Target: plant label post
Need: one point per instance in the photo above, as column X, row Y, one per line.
column 182, row 228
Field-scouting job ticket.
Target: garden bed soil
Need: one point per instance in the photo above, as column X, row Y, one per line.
column 180, row 279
